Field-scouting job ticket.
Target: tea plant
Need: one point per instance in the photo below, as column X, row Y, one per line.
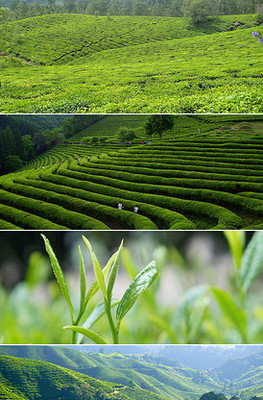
column 143, row 64
column 192, row 301
column 140, row 283
column 182, row 183
column 196, row 317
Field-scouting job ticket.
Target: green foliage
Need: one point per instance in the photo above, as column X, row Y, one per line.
column 210, row 182
column 158, row 124
column 140, row 283
column 13, row 163
column 94, row 140
column 213, row 312
column 213, row 396
column 197, row 10
column 163, row 73
column 126, row 134
column 252, row 263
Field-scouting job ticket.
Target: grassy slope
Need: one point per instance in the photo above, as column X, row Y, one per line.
column 62, row 356
column 174, row 382
column 215, row 72
column 27, row 379
column 186, row 126
column 109, row 126
column 78, row 35
column 160, row 379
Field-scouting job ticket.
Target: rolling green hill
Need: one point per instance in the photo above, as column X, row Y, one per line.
column 109, row 125
column 209, row 180
column 79, row 63
column 82, row 35
column 74, row 373
column 28, row 379
column 163, row 380
column 115, row 368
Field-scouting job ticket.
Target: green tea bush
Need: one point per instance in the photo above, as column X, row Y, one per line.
column 140, row 283
column 26, row 220
column 230, row 220
column 63, row 184
column 169, row 70
column 61, row 216
column 172, row 190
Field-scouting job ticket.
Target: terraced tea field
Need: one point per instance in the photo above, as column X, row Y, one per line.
column 178, row 184
column 79, row 63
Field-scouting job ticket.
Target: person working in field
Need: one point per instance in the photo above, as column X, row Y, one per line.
column 120, row 206
column 135, row 209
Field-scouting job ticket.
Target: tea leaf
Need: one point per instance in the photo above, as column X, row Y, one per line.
column 82, row 282
column 140, row 283
column 38, row 270
column 229, row 308
column 88, row 333
column 128, row 263
column 252, row 262
column 191, row 310
column 59, row 275
column 95, row 287
column 197, row 318
column 113, row 273
column 97, row 268
column 236, row 241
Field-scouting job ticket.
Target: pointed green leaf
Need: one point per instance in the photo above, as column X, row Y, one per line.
column 88, row 333
column 236, row 241
column 197, row 318
column 97, row 268
column 95, row 287
column 59, row 275
column 140, row 283
column 82, row 283
column 128, row 263
column 113, row 273
column 252, row 262
column 233, row 312
column 191, row 311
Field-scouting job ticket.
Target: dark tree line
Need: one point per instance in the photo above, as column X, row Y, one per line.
column 17, row 9
column 77, row 123
column 22, row 139
column 20, row 142
column 221, row 396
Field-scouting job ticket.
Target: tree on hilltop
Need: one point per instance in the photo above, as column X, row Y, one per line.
column 158, row 124
column 197, row 10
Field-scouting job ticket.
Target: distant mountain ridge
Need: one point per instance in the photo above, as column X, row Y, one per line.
column 156, row 374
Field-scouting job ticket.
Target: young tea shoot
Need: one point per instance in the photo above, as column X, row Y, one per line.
column 104, row 282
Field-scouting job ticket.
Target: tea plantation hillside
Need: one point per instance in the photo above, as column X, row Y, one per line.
column 78, row 374
column 81, row 35
column 156, row 377
column 205, row 183
column 110, row 124
column 185, row 126
column 28, row 380
column 79, row 63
